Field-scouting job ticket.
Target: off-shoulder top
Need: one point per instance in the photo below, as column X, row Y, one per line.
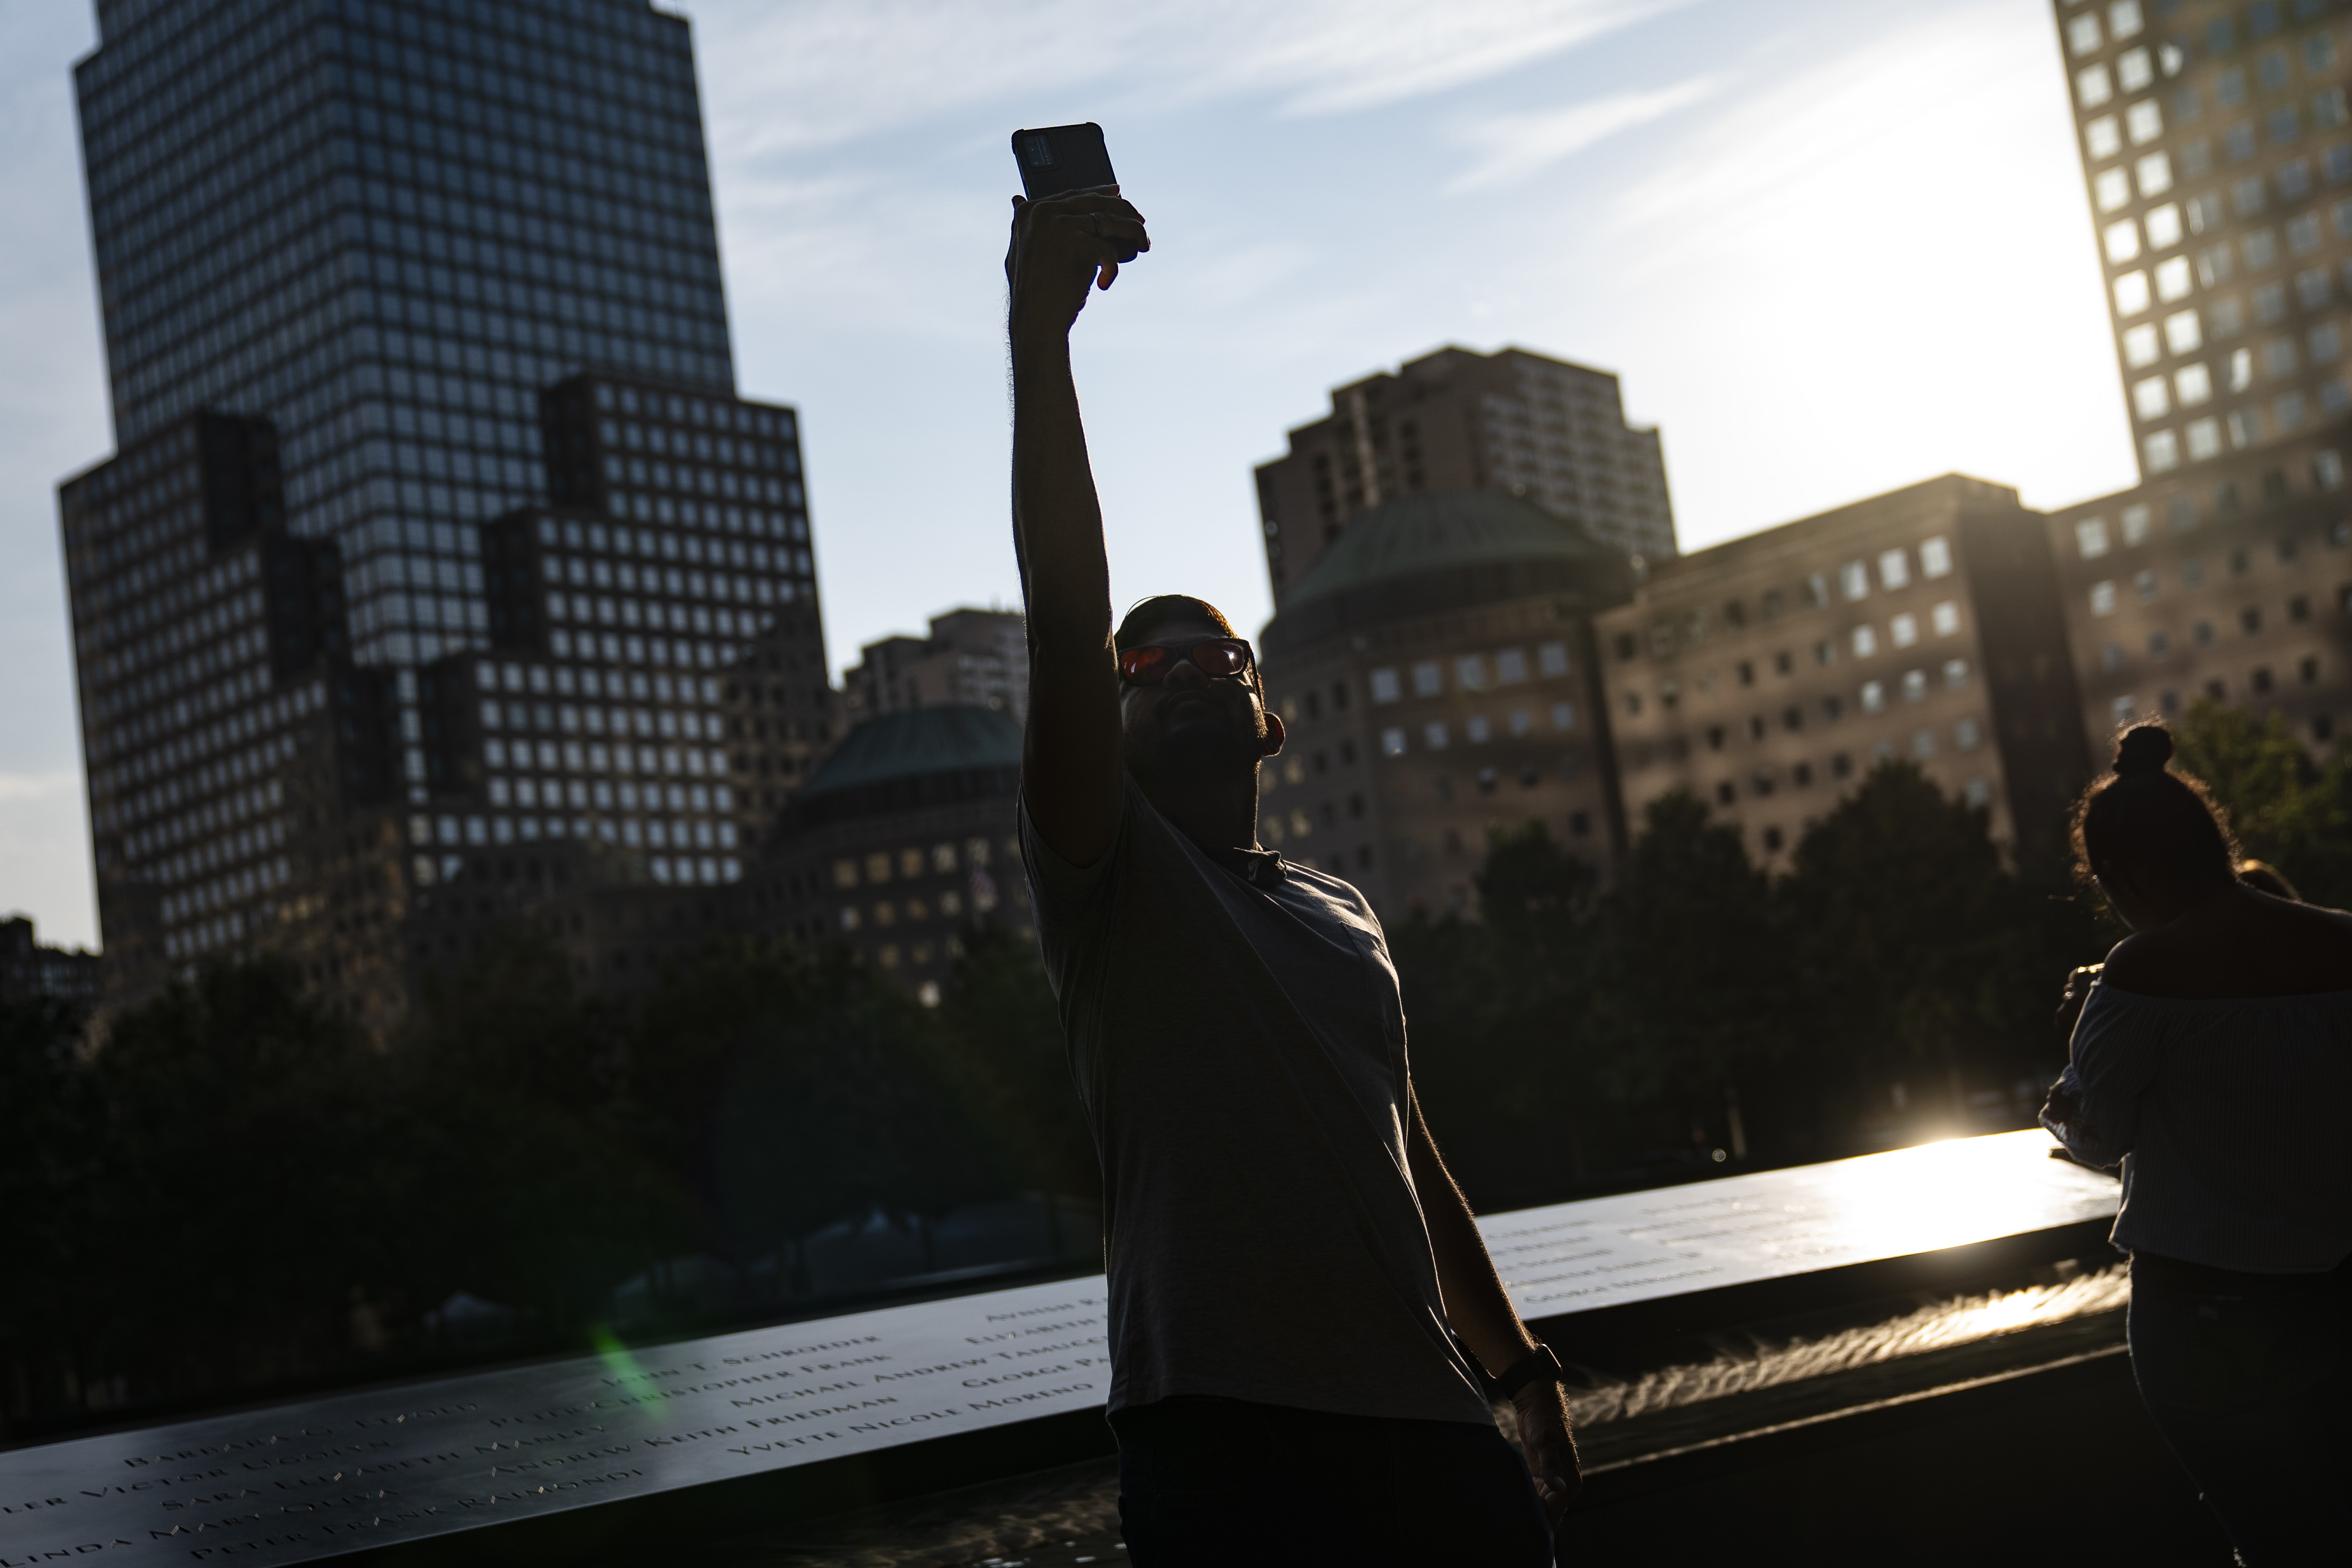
column 2231, row 1119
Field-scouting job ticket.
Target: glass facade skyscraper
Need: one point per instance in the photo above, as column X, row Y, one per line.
column 2216, row 146
column 387, row 225
column 441, row 578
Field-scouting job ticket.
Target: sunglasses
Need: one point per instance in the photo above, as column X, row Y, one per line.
column 1149, row 664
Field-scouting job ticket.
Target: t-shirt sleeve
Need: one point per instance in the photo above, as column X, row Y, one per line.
column 1065, row 895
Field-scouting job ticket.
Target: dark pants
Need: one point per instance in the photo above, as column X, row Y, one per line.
column 1221, row 1481
column 2249, row 1379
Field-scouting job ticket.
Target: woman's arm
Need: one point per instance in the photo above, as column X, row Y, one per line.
column 2094, row 1109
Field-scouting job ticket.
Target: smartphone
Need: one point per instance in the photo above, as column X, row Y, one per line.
column 1062, row 158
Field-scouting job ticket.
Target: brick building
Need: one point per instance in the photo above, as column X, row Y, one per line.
column 971, row 658
column 1542, row 430
column 904, row 837
column 1438, row 673
column 30, row 972
column 1768, row 673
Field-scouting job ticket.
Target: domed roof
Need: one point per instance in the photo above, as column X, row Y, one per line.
column 1416, row 534
column 918, row 741
column 920, row 756
column 1446, row 550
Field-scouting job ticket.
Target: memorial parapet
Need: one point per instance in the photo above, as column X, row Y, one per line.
column 825, row 1414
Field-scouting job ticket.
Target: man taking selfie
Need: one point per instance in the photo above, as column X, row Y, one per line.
column 1294, row 1278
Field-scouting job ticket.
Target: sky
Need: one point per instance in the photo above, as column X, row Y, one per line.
column 1832, row 246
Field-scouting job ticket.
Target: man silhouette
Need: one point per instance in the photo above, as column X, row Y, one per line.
column 1292, row 1275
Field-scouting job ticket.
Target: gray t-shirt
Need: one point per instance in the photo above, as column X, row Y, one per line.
column 1238, row 1038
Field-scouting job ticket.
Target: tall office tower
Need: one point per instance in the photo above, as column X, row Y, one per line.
column 385, row 226
column 2217, row 147
column 978, row 657
column 376, row 273
column 1541, row 429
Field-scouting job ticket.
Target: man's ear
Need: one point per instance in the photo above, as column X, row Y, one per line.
column 1272, row 746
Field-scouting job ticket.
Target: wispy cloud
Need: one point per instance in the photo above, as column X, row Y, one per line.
column 827, row 71
column 1334, row 55
column 1878, row 231
column 1508, row 148
column 1769, row 164
column 18, row 787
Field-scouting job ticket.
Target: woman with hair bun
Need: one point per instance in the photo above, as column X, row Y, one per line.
column 2213, row 1061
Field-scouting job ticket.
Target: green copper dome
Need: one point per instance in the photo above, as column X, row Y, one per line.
column 923, row 756
column 1442, row 551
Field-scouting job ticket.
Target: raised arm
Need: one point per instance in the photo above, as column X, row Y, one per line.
column 1062, row 246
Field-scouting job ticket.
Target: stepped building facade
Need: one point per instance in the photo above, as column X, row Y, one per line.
column 440, row 573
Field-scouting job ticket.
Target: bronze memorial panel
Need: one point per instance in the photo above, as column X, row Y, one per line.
column 297, row 1482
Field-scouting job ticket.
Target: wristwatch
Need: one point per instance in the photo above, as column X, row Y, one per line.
column 1538, row 1365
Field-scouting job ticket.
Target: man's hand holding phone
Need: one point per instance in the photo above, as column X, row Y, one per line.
column 1063, row 246
column 1070, row 229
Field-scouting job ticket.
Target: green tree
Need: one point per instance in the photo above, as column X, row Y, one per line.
column 245, row 1158
column 1691, row 977
column 795, row 1090
column 2284, row 806
column 241, row 1187
column 1008, row 1062
column 522, row 1162
column 1492, row 1007
column 52, row 1124
column 1916, row 945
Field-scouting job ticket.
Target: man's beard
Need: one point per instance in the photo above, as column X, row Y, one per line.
column 1212, row 744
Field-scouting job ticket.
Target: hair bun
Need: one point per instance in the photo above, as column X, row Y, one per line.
column 2144, row 749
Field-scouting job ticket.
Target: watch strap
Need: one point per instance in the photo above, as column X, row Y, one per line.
column 1538, row 1365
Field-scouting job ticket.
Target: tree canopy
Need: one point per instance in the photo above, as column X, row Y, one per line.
column 1578, row 1033
column 237, row 1188
column 2284, row 805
